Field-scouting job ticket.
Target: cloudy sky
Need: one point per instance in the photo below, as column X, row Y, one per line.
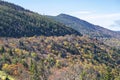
column 105, row 13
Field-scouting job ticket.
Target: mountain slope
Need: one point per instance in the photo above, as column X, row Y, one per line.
column 15, row 21
column 84, row 27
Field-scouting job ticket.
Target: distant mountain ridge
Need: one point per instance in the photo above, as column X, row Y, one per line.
column 16, row 21
column 85, row 27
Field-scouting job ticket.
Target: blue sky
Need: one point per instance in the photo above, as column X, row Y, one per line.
column 105, row 13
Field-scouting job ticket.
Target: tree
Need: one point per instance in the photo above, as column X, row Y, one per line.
column 108, row 75
column 2, row 49
column 10, row 52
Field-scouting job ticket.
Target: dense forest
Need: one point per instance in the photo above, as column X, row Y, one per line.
column 18, row 22
column 36, row 47
column 58, row 58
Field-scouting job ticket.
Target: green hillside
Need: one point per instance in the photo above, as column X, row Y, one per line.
column 15, row 21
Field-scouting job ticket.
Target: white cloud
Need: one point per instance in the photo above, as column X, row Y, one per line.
column 81, row 12
column 105, row 20
column 101, row 16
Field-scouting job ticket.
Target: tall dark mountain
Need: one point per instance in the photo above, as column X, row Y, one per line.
column 16, row 21
column 85, row 27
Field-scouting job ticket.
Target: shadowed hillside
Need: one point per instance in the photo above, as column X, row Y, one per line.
column 15, row 21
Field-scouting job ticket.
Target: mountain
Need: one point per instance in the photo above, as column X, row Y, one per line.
column 16, row 21
column 52, row 54
column 85, row 27
column 67, row 57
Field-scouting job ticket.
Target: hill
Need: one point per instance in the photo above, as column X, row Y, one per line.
column 58, row 58
column 16, row 21
column 85, row 27
column 59, row 53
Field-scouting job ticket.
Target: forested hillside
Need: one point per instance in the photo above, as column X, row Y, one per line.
column 109, row 37
column 59, row 58
column 15, row 21
column 36, row 47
